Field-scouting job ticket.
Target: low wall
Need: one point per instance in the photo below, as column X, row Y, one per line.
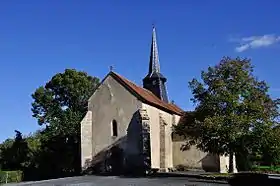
column 193, row 158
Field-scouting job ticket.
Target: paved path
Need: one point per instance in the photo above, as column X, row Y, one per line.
column 118, row 181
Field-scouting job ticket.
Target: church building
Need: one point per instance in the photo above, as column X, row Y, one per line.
column 133, row 124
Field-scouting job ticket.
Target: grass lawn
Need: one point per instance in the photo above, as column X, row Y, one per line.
column 219, row 175
column 227, row 175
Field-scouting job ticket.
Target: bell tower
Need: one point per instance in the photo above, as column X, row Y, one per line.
column 155, row 81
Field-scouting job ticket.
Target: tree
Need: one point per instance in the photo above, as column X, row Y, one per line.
column 14, row 153
column 231, row 106
column 266, row 144
column 6, row 154
column 66, row 93
column 60, row 105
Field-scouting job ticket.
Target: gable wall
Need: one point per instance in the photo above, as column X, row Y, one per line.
column 110, row 101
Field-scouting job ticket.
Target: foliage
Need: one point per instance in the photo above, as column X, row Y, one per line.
column 60, row 105
column 266, row 144
column 232, row 108
column 65, row 95
column 54, row 151
column 182, row 168
column 267, row 169
column 11, row 176
column 14, row 153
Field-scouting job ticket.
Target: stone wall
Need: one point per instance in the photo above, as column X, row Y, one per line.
column 161, row 141
column 194, row 158
column 111, row 101
column 86, row 139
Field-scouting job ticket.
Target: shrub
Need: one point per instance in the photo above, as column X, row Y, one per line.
column 10, row 176
column 267, row 169
column 249, row 178
column 181, row 167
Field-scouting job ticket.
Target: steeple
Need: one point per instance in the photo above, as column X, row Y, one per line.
column 154, row 59
column 155, row 81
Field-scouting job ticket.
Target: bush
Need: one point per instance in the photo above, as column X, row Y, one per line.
column 181, row 167
column 10, row 176
column 244, row 162
column 267, row 169
column 249, row 178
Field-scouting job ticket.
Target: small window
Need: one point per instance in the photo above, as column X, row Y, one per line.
column 114, row 128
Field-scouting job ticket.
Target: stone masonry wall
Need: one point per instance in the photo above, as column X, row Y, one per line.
column 162, row 141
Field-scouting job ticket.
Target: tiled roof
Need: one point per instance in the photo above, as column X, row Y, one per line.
column 146, row 96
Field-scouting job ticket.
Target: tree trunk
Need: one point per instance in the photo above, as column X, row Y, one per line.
column 230, row 169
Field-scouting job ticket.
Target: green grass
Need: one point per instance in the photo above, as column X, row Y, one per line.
column 220, row 175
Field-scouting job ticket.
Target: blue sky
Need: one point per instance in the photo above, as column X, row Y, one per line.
column 41, row 38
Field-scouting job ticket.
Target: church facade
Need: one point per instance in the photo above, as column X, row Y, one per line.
column 129, row 127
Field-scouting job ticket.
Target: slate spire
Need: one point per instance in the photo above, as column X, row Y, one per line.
column 155, row 81
column 154, row 58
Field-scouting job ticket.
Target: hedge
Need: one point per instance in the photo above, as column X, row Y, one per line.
column 10, row 176
column 267, row 169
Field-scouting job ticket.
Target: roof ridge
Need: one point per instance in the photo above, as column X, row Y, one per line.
column 127, row 79
column 152, row 94
column 147, row 95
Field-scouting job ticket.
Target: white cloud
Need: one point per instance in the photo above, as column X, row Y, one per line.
column 242, row 48
column 253, row 42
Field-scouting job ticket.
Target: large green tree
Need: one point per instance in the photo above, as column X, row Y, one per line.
column 60, row 105
column 64, row 97
column 232, row 107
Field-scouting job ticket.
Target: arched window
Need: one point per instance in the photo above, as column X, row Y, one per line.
column 114, row 128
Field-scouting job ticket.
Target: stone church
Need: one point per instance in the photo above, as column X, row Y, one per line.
column 135, row 123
